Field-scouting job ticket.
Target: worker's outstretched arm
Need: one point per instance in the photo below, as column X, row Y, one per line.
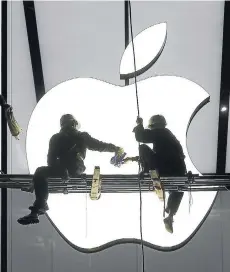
column 96, row 145
column 53, row 151
column 131, row 159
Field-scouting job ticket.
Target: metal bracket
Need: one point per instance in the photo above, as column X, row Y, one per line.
column 95, row 192
column 157, row 184
column 65, row 181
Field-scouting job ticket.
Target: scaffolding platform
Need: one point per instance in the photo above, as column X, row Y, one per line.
column 121, row 183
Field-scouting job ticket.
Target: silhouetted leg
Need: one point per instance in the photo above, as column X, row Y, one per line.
column 147, row 158
column 173, row 204
column 41, row 191
column 174, row 201
column 41, row 184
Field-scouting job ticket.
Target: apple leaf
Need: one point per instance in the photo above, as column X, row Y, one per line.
column 148, row 46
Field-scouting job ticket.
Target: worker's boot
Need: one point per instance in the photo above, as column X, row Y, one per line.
column 41, row 209
column 167, row 210
column 168, row 221
column 31, row 218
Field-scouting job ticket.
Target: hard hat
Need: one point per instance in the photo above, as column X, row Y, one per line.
column 157, row 120
column 67, row 119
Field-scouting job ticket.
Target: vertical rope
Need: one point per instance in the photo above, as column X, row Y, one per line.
column 138, row 114
column 86, row 218
column 86, row 208
column 134, row 58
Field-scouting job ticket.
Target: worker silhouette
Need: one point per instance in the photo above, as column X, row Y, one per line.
column 166, row 157
column 66, row 154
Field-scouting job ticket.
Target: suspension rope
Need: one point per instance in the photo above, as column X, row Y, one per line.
column 138, row 114
column 134, row 58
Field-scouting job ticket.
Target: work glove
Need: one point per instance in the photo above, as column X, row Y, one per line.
column 139, row 121
column 117, row 159
column 119, row 151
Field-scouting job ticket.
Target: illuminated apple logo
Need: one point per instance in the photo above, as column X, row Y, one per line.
column 108, row 113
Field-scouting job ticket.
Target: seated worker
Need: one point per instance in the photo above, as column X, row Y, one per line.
column 66, row 154
column 166, row 157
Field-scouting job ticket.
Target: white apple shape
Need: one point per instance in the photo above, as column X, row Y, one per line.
column 108, row 112
column 151, row 41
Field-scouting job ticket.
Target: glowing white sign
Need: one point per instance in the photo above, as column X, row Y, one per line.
column 108, row 113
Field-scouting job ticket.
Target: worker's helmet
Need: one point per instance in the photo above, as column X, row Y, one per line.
column 68, row 120
column 157, row 120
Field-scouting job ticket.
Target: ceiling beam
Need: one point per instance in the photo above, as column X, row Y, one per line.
column 34, row 47
column 4, row 135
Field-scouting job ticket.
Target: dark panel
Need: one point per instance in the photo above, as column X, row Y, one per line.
column 4, row 139
column 224, row 94
column 32, row 33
